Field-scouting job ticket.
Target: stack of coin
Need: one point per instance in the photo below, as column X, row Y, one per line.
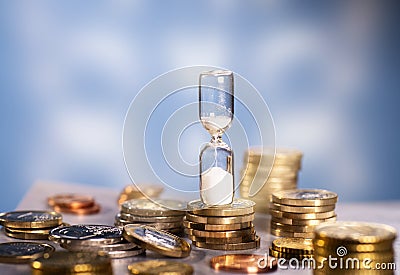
column 30, row 225
column 74, row 204
column 161, row 214
column 292, row 248
column 228, row 227
column 156, row 240
column 133, row 192
column 102, row 239
column 23, row 252
column 271, row 171
column 243, row 263
column 63, row 262
column 295, row 213
column 354, row 248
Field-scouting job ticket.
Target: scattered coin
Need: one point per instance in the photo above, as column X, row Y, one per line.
column 74, row 204
column 30, row 219
column 158, row 241
column 23, row 252
column 157, row 267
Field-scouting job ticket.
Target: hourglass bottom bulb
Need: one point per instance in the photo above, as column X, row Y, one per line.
column 216, row 187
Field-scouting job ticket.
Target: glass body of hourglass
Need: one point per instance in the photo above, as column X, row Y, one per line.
column 216, row 158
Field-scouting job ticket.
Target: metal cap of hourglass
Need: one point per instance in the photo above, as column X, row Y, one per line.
column 216, row 107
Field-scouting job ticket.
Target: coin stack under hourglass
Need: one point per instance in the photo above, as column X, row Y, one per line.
column 274, row 171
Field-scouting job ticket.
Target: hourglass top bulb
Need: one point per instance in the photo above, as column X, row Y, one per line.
column 216, row 101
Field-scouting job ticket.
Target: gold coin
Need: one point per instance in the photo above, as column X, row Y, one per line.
column 302, row 209
column 302, row 216
column 217, row 227
column 305, row 197
column 154, row 208
column 27, row 235
column 244, row 239
column 377, row 247
column 293, row 228
column 226, row 247
column 293, row 245
column 281, row 233
column 288, row 256
column 355, row 232
column 336, row 252
column 220, row 234
column 71, row 262
column 236, row 208
column 139, row 219
column 302, row 222
column 72, row 201
column 157, row 267
column 23, row 252
column 30, row 219
column 94, row 209
column 244, row 263
column 219, row 220
column 156, row 240
column 133, row 192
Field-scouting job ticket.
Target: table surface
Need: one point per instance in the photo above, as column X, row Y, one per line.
column 387, row 212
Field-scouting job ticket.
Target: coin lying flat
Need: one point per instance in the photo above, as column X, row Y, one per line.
column 281, row 233
column 302, row 216
column 154, row 208
column 302, row 209
column 23, row 252
column 302, row 222
column 74, row 201
column 232, row 240
column 30, row 219
column 234, row 246
column 87, row 234
column 157, row 267
column 93, row 209
column 288, row 256
column 244, row 263
column 355, row 232
column 158, row 241
column 217, row 227
column 293, row 228
column 237, row 208
column 220, row 234
column 69, row 263
column 305, row 197
column 105, row 247
column 139, row 219
column 293, row 245
column 219, row 220
column 119, row 254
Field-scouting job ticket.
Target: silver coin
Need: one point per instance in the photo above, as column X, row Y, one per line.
column 155, row 208
column 160, row 225
column 138, row 219
column 22, row 252
column 76, row 247
column 87, row 234
column 123, row 253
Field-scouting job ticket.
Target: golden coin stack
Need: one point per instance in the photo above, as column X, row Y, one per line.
column 30, row 225
column 292, row 248
column 295, row 213
column 74, row 204
column 228, row 227
column 361, row 247
column 62, row 262
column 161, row 214
column 133, row 192
column 273, row 171
column 160, row 267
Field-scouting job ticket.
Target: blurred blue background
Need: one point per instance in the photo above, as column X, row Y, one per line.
column 329, row 71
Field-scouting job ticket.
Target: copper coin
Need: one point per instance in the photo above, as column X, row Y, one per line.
column 245, row 263
column 71, row 201
column 95, row 208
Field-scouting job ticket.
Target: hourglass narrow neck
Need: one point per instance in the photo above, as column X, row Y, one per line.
column 216, row 139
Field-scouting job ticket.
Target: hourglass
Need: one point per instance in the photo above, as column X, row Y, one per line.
column 216, row 158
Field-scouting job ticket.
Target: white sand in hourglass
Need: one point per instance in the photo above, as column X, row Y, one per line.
column 217, row 186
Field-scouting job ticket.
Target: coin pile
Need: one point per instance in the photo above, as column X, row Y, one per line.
column 156, row 267
column 243, row 263
column 291, row 248
column 101, row 239
column 74, row 204
column 133, row 192
column 156, row 240
column 360, row 246
column 30, row 225
column 63, row 262
column 23, row 252
column 271, row 172
column 295, row 213
column 161, row 214
column 228, row 227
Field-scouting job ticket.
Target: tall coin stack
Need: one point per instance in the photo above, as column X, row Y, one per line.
column 227, row 227
column 29, row 225
column 295, row 213
column 161, row 214
column 282, row 175
column 358, row 248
